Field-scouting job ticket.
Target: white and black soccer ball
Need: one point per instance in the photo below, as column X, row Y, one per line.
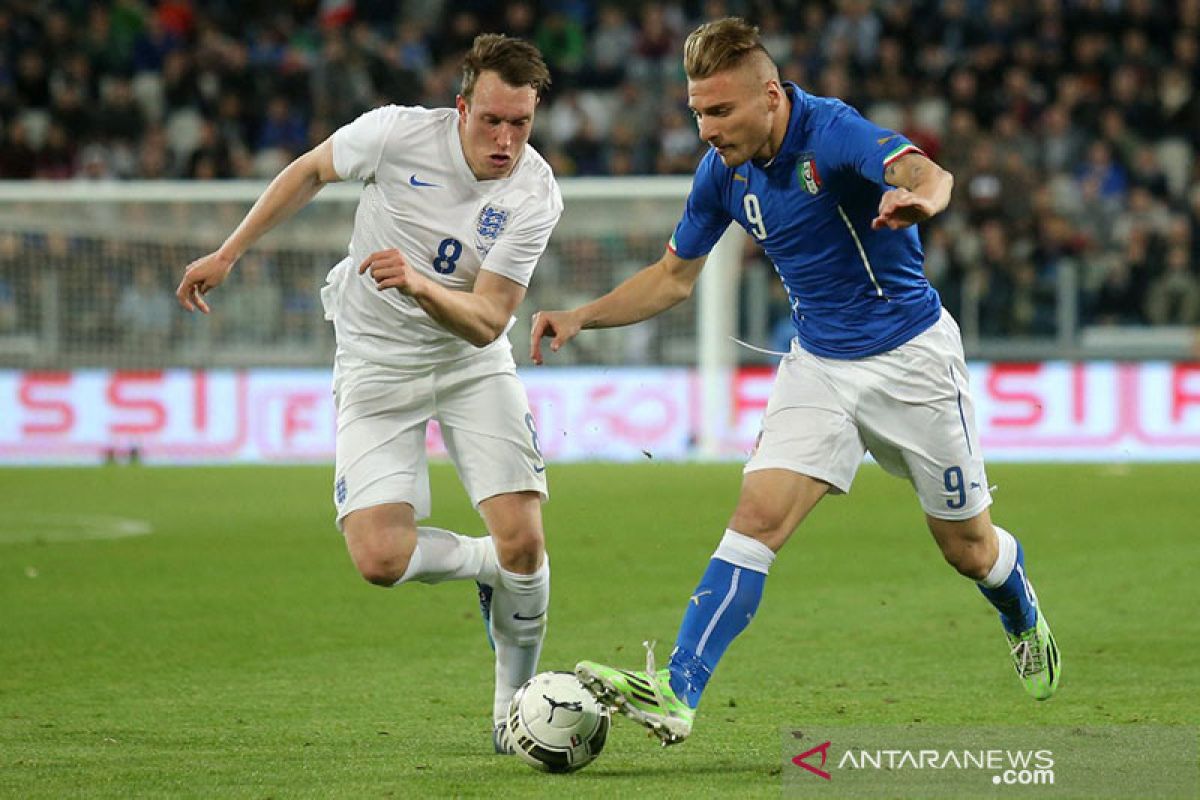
column 555, row 724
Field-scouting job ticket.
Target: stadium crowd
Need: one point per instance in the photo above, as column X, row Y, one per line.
column 1071, row 127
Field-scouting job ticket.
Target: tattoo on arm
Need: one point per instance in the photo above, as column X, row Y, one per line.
column 906, row 172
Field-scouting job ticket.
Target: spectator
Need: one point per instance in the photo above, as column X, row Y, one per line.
column 284, row 128
column 1178, row 104
column 857, row 24
column 299, row 308
column 255, row 311
column 120, row 118
column 145, row 309
column 412, row 54
column 31, row 81
column 69, row 110
column 564, row 46
column 181, row 89
column 1147, row 173
column 341, row 83
column 611, row 46
column 1173, row 298
column 1101, row 172
column 17, row 156
column 1118, row 300
column 1074, row 126
column 56, row 158
column 212, row 158
column 10, row 316
column 151, row 46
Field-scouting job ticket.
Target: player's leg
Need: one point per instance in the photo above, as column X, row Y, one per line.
column 995, row 559
column 772, row 504
column 520, row 593
column 388, row 548
column 381, row 485
column 490, row 435
column 380, row 540
column 919, row 423
column 808, row 447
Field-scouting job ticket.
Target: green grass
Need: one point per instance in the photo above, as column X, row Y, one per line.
column 234, row 652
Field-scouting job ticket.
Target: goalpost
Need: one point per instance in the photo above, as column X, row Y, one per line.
column 84, row 267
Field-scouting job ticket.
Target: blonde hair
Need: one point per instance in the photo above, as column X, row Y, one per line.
column 720, row 45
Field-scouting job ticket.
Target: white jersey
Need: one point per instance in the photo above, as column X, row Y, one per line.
column 420, row 197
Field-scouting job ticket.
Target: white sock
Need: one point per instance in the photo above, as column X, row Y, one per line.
column 745, row 552
column 1005, row 560
column 519, row 606
column 442, row 555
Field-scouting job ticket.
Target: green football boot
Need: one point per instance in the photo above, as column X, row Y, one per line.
column 1035, row 656
column 645, row 697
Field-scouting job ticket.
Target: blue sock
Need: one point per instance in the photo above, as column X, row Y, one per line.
column 1011, row 593
column 720, row 608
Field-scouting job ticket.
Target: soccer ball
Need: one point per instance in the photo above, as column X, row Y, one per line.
column 555, row 724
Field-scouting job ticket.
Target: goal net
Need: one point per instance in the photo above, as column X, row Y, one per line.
column 88, row 271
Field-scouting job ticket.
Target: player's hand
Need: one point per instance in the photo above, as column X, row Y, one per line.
column 899, row 208
column 561, row 325
column 391, row 270
column 200, row 276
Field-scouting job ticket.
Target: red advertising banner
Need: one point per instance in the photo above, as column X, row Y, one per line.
column 1095, row 411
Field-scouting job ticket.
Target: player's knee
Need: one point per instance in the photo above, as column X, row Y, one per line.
column 379, row 545
column 380, row 565
column 967, row 545
column 760, row 523
column 970, row 559
column 520, row 552
column 382, row 570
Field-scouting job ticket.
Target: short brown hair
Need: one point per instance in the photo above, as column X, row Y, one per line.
column 516, row 61
column 720, row 45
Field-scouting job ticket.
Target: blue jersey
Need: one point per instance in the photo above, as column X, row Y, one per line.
column 854, row 291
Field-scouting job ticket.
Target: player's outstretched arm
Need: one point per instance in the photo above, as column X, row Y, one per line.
column 650, row 291
column 922, row 190
column 290, row 191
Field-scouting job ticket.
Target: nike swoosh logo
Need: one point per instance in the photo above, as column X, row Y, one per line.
column 530, row 619
column 540, row 469
column 885, row 139
column 413, row 181
column 741, row 178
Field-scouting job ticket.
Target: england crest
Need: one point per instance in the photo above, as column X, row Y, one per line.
column 490, row 224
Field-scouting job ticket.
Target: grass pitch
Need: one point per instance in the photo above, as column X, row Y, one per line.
column 234, row 652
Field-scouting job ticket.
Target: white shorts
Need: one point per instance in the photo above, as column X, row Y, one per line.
column 910, row 407
column 382, row 413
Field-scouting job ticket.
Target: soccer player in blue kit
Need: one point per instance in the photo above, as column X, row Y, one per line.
column 877, row 364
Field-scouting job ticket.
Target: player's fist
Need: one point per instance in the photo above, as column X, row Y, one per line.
column 561, row 326
column 391, row 270
column 200, row 276
column 899, row 208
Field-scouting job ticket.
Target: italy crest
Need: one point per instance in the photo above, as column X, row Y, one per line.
column 806, row 171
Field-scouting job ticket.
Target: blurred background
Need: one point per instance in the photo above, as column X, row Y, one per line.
column 135, row 134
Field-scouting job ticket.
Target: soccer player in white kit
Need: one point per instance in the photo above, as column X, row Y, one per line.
column 456, row 210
